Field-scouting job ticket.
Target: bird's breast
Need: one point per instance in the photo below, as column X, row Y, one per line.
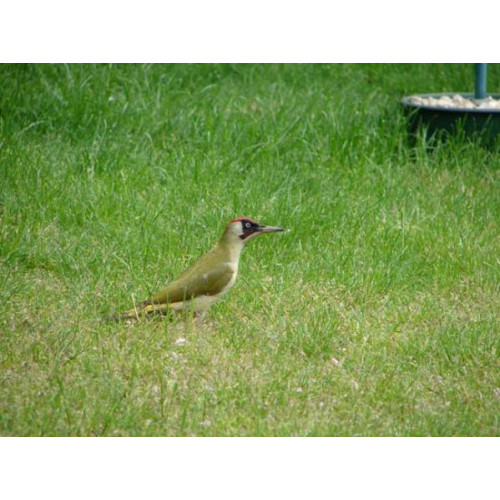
column 230, row 283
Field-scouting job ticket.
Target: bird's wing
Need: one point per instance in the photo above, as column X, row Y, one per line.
column 192, row 284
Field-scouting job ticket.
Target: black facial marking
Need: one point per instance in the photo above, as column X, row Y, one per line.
column 249, row 227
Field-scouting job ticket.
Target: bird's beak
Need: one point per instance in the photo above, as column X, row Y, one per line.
column 269, row 229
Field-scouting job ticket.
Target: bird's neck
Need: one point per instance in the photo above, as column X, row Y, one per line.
column 232, row 245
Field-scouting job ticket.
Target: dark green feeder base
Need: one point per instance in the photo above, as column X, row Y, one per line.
column 439, row 123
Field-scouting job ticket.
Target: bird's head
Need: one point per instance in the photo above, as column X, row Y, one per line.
column 243, row 229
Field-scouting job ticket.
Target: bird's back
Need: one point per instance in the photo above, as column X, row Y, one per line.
column 211, row 275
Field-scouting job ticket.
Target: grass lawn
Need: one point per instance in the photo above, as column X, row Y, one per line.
column 376, row 314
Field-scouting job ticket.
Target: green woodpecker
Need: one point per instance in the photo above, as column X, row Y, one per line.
column 210, row 277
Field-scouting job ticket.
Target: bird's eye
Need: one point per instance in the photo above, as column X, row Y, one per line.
column 248, row 225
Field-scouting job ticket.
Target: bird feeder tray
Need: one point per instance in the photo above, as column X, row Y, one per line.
column 441, row 115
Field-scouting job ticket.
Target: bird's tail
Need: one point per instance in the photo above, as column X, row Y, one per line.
column 131, row 315
column 145, row 309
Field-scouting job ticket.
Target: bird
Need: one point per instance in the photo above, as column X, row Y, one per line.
column 207, row 279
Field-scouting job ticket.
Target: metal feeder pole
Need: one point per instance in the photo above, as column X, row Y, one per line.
column 480, row 81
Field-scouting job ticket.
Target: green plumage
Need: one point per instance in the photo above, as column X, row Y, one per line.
column 208, row 276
